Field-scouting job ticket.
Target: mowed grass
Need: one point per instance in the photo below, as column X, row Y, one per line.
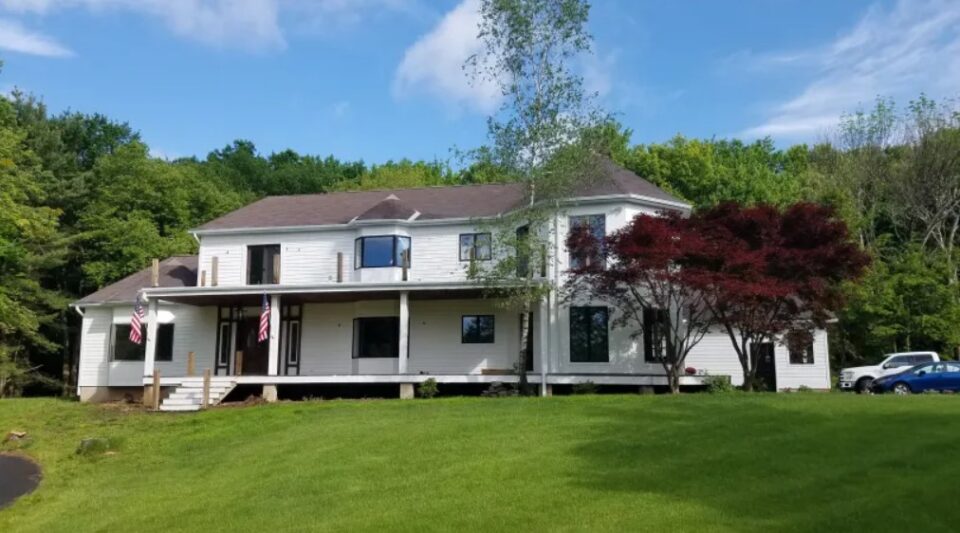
column 789, row 462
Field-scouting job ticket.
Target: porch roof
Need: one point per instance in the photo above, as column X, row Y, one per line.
column 328, row 292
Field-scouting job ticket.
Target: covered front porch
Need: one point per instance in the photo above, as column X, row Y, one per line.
column 391, row 334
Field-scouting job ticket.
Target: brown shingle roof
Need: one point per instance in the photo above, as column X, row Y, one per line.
column 433, row 203
column 176, row 271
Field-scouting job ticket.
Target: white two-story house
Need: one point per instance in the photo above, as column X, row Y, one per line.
column 371, row 287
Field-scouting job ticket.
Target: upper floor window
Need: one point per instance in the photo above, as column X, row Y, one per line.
column 125, row 350
column 523, row 253
column 263, row 264
column 381, row 251
column 597, row 226
column 801, row 356
column 477, row 244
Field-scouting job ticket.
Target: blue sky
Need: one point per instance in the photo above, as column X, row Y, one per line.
column 382, row 79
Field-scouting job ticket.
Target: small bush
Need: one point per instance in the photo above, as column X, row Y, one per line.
column 804, row 388
column 585, row 387
column 428, row 389
column 718, row 384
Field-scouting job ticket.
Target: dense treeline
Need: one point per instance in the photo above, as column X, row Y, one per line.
column 83, row 203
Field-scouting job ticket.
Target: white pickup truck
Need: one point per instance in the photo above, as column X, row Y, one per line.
column 859, row 378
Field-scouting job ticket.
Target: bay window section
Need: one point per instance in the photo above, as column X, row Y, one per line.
column 381, row 251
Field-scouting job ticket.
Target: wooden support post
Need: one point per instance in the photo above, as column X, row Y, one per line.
column 206, row 389
column 339, row 267
column 155, row 393
column 238, row 363
column 155, row 273
column 203, row 278
column 191, row 363
column 214, row 264
column 276, row 269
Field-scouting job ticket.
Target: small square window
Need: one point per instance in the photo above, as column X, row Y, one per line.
column 477, row 243
column 477, row 329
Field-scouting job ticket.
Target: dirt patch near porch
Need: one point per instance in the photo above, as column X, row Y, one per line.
column 19, row 476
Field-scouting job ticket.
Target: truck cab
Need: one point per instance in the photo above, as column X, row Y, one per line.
column 860, row 378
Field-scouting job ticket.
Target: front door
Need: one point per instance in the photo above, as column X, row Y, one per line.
column 766, row 366
column 255, row 353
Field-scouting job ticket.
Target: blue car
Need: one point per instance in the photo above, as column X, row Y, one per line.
column 940, row 376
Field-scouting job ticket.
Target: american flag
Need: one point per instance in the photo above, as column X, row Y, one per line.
column 264, row 320
column 136, row 322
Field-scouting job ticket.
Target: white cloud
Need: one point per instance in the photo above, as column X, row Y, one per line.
column 434, row 64
column 897, row 53
column 15, row 38
column 340, row 109
column 246, row 24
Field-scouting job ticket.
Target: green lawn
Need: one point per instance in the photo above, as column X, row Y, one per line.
column 696, row 462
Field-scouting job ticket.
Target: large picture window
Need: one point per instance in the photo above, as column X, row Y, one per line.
column 597, row 226
column 478, row 244
column 381, row 251
column 588, row 335
column 263, row 264
column 376, row 337
column 477, row 329
column 124, row 350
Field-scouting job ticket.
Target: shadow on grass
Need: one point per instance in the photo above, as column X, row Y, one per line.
column 786, row 464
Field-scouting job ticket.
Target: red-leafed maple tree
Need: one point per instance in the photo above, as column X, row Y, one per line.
column 638, row 272
column 768, row 275
column 758, row 273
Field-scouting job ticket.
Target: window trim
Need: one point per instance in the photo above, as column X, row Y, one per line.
column 161, row 356
column 355, row 349
column 476, row 256
column 269, row 270
column 493, row 329
column 570, row 324
column 358, row 246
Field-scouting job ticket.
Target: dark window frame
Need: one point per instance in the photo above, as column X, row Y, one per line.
column 473, row 246
column 121, row 337
column 654, row 345
column 479, row 339
column 572, row 225
column 358, row 331
column 395, row 260
column 588, row 327
column 266, row 274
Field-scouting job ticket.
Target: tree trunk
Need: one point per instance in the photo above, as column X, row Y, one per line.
column 674, row 380
column 523, row 387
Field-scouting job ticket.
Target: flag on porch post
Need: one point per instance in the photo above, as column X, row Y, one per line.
column 264, row 320
column 136, row 322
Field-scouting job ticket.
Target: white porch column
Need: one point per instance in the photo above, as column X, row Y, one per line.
column 273, row 350
column 273, row 354
column 150, row 357
column 404, row 332
column 543, row 343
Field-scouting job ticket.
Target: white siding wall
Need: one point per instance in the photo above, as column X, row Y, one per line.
column 94, row 343
column 311, row 258
column 194, row 330
column 815, row 376
column 435, row 338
